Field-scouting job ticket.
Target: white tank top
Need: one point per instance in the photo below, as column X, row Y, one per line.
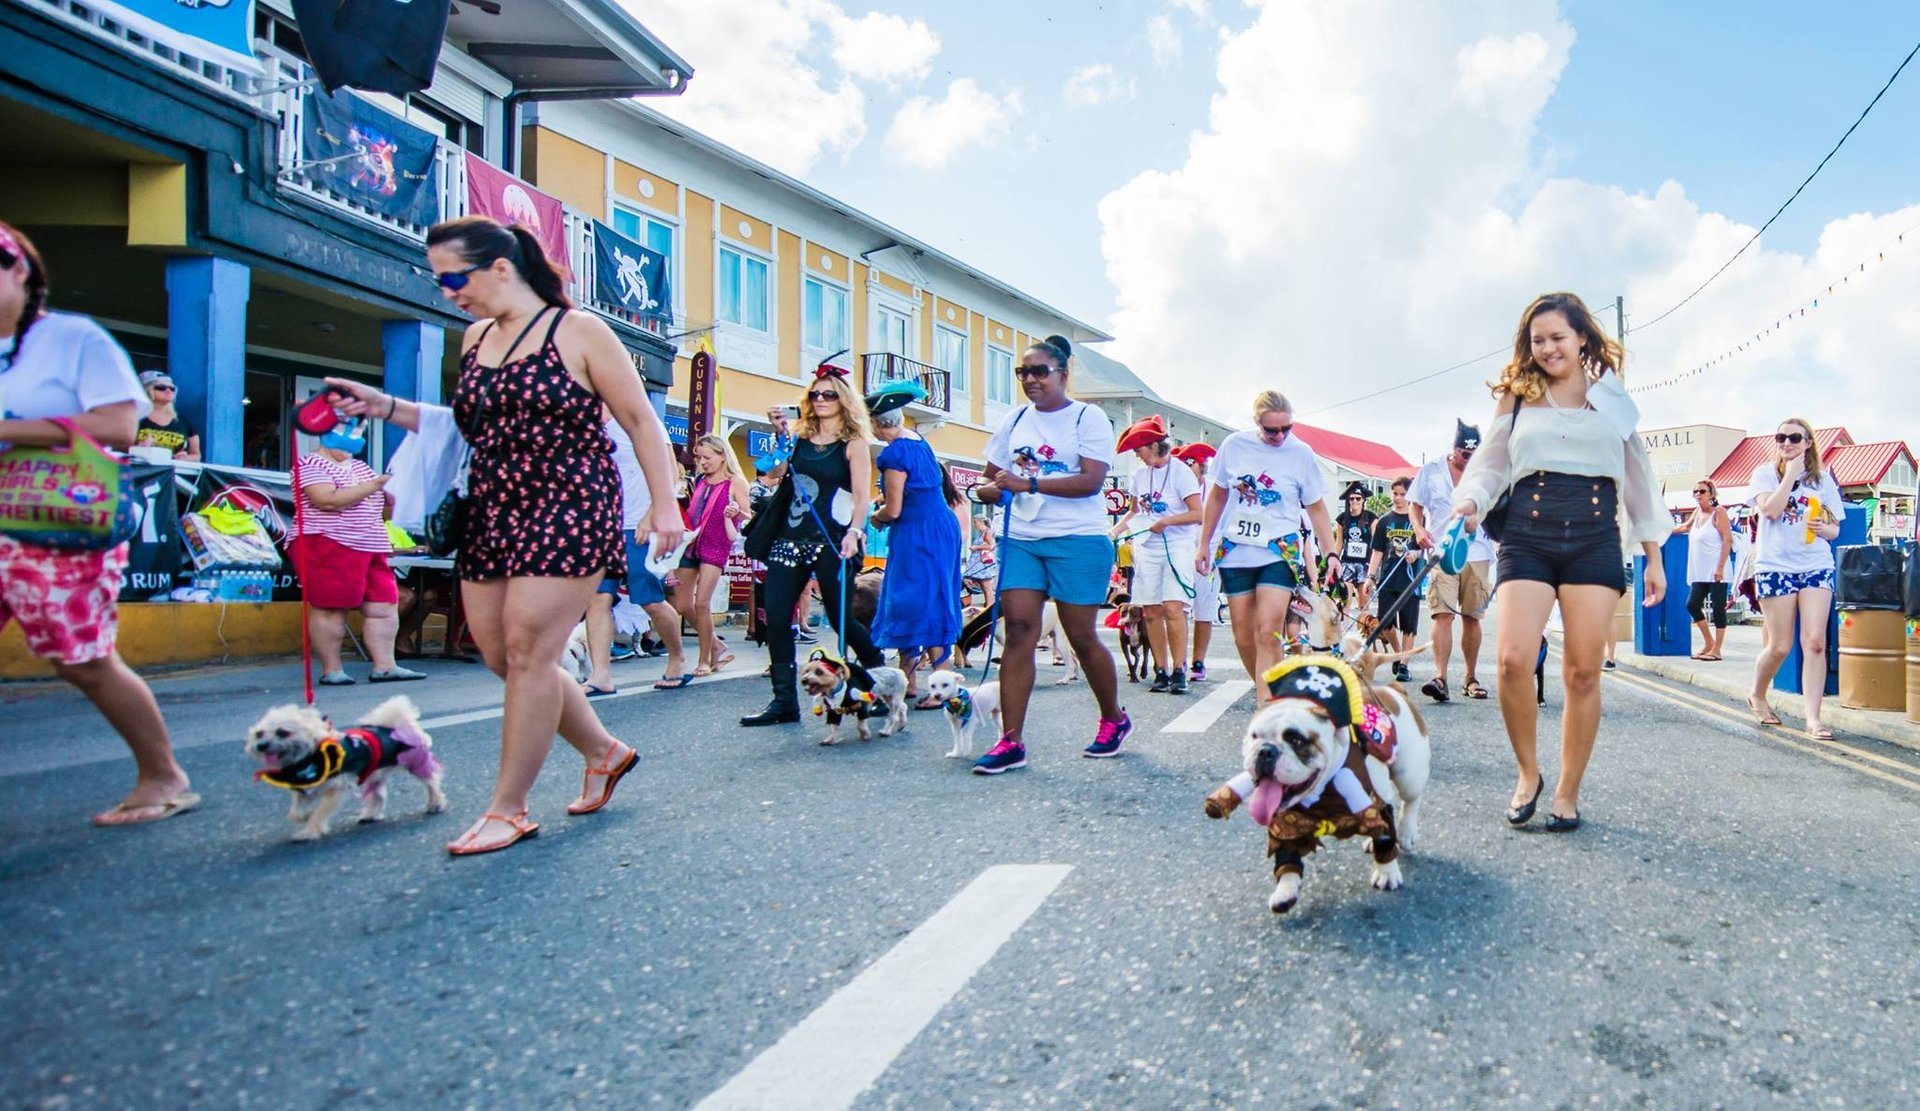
column 1703, row 553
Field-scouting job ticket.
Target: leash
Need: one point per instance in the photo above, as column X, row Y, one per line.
column 298, row 550
column 841, row 627
column 999, row 577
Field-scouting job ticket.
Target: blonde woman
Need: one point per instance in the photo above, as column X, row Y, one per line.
column 825, row 489
column 717, row 505
column 1565, row 443
column 1798, row 503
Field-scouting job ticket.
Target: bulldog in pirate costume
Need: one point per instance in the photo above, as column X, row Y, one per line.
column 1329, row 757
column 300, row 751
column 842, row 689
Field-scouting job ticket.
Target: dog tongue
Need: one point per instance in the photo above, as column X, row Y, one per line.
column 1265, row 801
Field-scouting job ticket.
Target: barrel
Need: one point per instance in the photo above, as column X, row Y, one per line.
column 1870, row 657
column 1913, row 671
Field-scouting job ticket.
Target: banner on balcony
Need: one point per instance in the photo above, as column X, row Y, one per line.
column 225, row 25
column 492, row 191
column 630, row 277
column 388, row 46
column 372, row 157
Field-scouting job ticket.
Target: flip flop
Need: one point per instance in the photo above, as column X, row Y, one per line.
column 522, row 829
column 598, row 692
column 673, row 682
column 1820, row 732
column 613, row 774
column 723, row 661
column 702, row 671
column 1763, row 715
column 930, row 702
column 124, row 815
column 1712, row 657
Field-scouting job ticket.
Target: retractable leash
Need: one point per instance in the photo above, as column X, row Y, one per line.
column 1452, row 558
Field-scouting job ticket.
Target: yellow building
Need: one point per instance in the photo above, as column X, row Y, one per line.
column 1686, row 453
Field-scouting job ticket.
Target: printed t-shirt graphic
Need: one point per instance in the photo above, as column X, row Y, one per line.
column 1268, row 487
column 1783, row 542
column 1162, row 492
column 1392, row 536
column 1030, row 443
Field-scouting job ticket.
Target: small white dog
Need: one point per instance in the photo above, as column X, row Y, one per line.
column 576, row 661
column 299, row 749
column 837, row 696
column 965, row 708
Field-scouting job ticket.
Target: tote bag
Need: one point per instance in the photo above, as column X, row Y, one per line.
column 76, row 497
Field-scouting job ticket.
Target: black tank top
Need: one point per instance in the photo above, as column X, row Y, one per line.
column 819, row 472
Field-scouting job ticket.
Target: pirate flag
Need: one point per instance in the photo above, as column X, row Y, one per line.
column 386, row 46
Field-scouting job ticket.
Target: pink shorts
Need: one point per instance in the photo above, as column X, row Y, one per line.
column 65, row 601
column 336, row 577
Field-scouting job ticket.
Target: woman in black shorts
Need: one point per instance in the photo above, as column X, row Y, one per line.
column 1566, row 446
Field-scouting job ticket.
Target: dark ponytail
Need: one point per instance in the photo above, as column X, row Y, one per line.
column 1059, row 347
column 483, row 239
column 15, row 248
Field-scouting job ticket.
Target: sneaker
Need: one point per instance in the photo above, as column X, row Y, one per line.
column 802, row 636
column 1003, row 757
column 622, row 652
column 1179, row 683
column 1199, row 672
column 1108, row 740
column 1608, row 666
column 1402, row 673
column 336, row 679
column 1159, row 682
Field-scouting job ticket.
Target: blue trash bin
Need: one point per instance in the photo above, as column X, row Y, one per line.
column 1853, row 530
column 1666, row 629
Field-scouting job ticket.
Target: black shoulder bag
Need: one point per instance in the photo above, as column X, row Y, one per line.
column 1494, row 520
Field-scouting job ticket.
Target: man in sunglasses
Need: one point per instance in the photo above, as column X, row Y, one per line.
column 1466, row 594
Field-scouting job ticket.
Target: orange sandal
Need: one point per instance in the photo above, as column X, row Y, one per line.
column 613, row 771
column 522, row 829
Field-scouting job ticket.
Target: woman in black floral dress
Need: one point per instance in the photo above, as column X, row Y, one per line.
column 543, row 499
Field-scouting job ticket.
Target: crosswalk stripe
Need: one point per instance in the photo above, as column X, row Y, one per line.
column 468, row 718
column 1200, row 717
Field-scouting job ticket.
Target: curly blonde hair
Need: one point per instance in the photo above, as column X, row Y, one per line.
column 1599, row 352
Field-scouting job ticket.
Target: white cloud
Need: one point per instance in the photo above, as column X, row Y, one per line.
column 882, row 47
column 928, row 133
column 1163, row 39
column 1097, row 84
column 1195, row 8
column 1367, row 203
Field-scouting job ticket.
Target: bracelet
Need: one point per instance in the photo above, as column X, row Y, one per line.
column 392, row 404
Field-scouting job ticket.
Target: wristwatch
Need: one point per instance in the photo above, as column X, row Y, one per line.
column 1033, row 484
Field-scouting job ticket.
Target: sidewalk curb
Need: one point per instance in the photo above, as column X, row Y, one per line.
column 1881, row 725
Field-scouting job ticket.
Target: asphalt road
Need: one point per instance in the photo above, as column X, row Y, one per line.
column 1736, row 924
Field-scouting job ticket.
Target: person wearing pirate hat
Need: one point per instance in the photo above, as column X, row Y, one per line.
column 1353, row 531
column 919, row 605
column 1163, row 522
column 1464, row 595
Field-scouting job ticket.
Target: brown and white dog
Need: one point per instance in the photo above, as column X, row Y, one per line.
column 841, row 691
column 1134, row 649
column 299, row 750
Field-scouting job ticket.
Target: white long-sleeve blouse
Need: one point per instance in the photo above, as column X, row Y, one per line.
column 1568, row 441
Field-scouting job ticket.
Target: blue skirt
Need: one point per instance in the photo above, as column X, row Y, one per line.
column 920, row 598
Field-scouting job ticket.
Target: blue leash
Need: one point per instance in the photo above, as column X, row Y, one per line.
column 826, row 538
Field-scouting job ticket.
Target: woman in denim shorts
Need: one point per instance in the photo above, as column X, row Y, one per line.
column 1798, row 502
column 1565, row 444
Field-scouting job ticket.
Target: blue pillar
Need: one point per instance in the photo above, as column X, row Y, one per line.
column 412, row 352
column 207, row 349
column 1666, row 629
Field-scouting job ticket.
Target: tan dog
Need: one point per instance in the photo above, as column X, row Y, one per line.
column 300, row 750
column 839, row 693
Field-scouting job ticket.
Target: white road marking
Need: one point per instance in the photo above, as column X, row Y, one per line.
column 1200, row 716
column 646, row 687
column 839, row 1050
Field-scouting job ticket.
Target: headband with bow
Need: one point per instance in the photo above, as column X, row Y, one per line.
column 826, row 369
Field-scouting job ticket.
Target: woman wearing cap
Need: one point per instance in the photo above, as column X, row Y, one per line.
column 164, row 428
column 1566, row 445
column 61, row 366
column 1206, row 588
column 1709, row 571
column 813, row 528
column 1052, row 455
column 1267, row 484
column 920, row 598
column 1164, row 520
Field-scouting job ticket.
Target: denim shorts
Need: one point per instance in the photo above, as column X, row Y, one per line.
column 1563, row 530
column 1779, row 584
column 1071, row 570
column 1235, row 581
column 643, row 589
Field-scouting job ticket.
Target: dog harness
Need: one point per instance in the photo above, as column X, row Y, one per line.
column 960, row 708
column 842, row 700
column 361, row 751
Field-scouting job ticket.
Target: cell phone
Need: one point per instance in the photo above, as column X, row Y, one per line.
column 792, row 411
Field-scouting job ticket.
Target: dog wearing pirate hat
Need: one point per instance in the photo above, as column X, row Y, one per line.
column 843, row 689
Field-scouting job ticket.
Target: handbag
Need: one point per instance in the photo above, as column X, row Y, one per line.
column 764, row 528
column 78, row 498
column 446, row 526
column 1494, row 520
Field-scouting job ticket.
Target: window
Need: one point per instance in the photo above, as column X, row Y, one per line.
column 743, row 290
column 950, row 355
column 652, row 234
column 892, row 329
column 999, row 376
column 823, row 309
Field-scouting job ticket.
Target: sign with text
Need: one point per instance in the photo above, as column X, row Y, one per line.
column 965, row 478
column 761, row 443
column 223, row 24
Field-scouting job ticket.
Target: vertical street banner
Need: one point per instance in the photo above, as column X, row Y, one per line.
column 378, row 159
column 629, row 277
column 387, row 46
column 224, row 25
column 700, row 393
column 492, row 191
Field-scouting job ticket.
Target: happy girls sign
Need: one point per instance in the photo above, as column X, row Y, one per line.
column 69, row 497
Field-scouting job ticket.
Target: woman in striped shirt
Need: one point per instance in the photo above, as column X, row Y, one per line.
column 341, row 558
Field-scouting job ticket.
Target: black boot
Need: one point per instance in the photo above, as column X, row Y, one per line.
column 785, row 707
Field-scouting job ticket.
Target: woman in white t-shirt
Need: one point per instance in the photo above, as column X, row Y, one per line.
column 64, row 365
column 1265, row 482
column 1165, row 523
column 1051, row 455
column 1798, row 503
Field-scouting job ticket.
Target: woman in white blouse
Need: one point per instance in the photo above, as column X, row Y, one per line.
column 1565, row 445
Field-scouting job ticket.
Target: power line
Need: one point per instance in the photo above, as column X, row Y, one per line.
column 1409, row 382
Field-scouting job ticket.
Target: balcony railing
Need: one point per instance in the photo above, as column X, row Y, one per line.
column 879, row 369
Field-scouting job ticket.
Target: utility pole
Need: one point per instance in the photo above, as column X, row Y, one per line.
column 1620, row 321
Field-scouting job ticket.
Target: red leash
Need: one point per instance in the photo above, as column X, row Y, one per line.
column 296, row 549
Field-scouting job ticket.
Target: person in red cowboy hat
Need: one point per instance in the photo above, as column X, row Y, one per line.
column 1164, row 522
column 1206, row 588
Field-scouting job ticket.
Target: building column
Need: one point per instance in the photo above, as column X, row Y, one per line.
column 412, row 353
column 207, row 349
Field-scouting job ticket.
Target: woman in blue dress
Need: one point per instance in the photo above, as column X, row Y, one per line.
column 920, row 598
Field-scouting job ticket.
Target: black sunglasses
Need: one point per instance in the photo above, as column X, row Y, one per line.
column 823, row 395
column 1275, row 433
column 1703, row 491
column 169, row 389
column 456, row 280
column 1788, row 438
column 1025, row 370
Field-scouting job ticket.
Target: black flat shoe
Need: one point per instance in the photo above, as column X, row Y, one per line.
column 1521, row 815
column 1557, row 824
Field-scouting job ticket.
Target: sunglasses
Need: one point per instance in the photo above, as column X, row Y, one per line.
column 823, row 395
column 1267, row 433
column 1789, row 438
column 456, row 280
column 1025, row 371
column 1703, row 491
column 162, row 389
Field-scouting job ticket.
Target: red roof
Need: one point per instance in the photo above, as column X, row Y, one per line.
column 1865, row 464
column 1737, row 468
column 1355, row 454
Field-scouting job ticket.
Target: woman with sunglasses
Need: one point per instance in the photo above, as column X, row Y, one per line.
column 1052, row 454
column 1265, row 482
column 1798, row 503
column 543, row 516
column 825, row 489
column 1709, row 547
column 164, row 427
column 62, row 366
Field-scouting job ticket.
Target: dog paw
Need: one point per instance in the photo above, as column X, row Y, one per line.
column 1286, row 893
column 1386, row 877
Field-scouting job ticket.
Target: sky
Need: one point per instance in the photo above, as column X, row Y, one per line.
column 1335, row 198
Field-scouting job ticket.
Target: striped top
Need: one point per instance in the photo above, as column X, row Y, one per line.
column 359, row 526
